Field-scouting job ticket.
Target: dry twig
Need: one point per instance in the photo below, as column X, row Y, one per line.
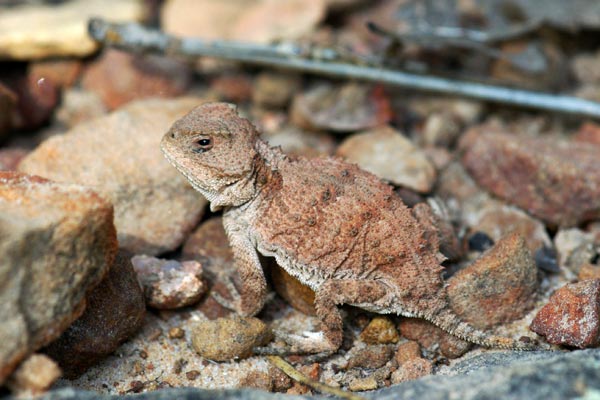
column 134, row 37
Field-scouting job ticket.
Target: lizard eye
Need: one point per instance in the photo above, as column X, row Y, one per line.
column 202, row 145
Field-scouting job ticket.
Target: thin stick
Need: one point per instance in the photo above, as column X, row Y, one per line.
column 134, row 37
column 293, row 373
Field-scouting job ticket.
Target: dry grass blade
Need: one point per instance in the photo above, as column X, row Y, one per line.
column 293, row 373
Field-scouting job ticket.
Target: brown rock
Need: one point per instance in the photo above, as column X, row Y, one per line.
column 257, row 380
column 119, row 156
column 36, row 98
column 555, row 180
column 34, row 376
column 430, row 336
column 119, row 77
column 62, row 72
column 407, row 351
column 8, row 104
column 348, row 108
column 58, row 241
column 498, row 287
column 242, row 20
column 571, row 316
column 11, row 157
column 589, row 132
column 381, row 330
column 411, row 370
column 79, row 106
column 388, row 154
column 299, row 296
column 298, row 142
column 369, row 356
column 225, row 339
column 588, row 271
column 169, row 284
column 275, row 89
column 498, row 220
column 236, row 88
column 35, row 31
column 440, row 129
column 115, row 311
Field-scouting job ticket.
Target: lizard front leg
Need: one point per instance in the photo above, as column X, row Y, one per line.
column 253, row 291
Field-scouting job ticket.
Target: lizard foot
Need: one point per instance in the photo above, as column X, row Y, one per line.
column 235, row 304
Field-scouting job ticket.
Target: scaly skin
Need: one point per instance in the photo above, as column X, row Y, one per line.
column 336, row 228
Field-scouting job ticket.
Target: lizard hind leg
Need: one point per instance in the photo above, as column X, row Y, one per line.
column 333, row 293
column 448, row 321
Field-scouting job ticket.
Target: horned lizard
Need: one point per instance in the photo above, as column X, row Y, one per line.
column 336, row 228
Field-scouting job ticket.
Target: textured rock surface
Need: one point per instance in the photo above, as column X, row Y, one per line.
column 57, row 241
column 225, row 339
column 119, row 156
column 119, row 77
column 498, row 287
column 242, row 20
column 169, row 284
column 557, row 181
column 380, row 330
column 34, row 376
column 347, row 108
column 431, row 337
column 390, row 156
column 115, row 310
column 492, row 375
column 572, row 315
column 299, row 296
column 35, row 31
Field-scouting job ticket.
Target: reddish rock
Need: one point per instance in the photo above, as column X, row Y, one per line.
column 11, row 157
column 498, row 287
column 557, row 181
column 299, row 142
column 169, row 284
column 234, row 88
column 36, row 98
column 119, row 156
column 407, row 351
column 411, row 370
column 79, row 106
column 8, row 104
column 347, row 108
column 369, row 356
column 571, row 316
column 58, row 242
column 120, row 77
column 430, row 336
column 381, row 330
column 62, row 72
column 299, row 296
column 589, row 132
column 115, row 311
column 588, row 271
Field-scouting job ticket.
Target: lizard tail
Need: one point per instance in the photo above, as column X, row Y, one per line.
column 448, row 321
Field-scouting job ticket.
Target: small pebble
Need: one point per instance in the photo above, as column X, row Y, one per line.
column 546, row 259
column 381, row 330
column 176, row 333
column 411, row 370
column 169, row 284
column 36, row 374
column 225, row 339
column 407, row 351
column 192, row 375
column 480, row 241
column 362, row 384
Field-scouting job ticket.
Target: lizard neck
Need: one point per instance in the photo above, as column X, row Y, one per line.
column 269, row 160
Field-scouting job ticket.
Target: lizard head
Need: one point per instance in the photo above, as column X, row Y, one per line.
column 215, row 149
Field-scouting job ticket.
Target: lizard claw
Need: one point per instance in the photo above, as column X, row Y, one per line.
column 235, row 304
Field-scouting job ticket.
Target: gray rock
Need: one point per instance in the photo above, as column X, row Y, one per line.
column 56, row 242
column 119, row 156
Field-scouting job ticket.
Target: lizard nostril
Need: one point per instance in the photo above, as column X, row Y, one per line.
column 173, row 135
